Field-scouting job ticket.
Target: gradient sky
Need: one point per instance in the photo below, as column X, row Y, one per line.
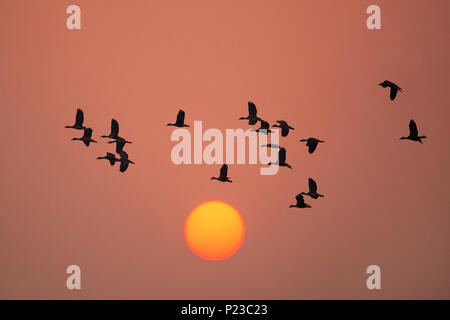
column 313, row 63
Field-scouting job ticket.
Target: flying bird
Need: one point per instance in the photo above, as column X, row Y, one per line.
column 284, row 127
column 264, row 128
column 87, row 137
column 413, row 133
column 124, row 161
column 115, row 131
column 300, row 202
column 281, row 159
column 252, row 117
column 79, row 118
column 312, row 190
column 110, row 157
column 394, row 88
column 311, row 143
column 223, row 174
column 180, row 120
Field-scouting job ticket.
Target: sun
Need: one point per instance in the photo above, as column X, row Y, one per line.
column 214, row 230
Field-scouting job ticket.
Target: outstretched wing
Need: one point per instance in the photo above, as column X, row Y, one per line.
column 88, row 133
column 180, row 117
column 312, row 145
column 224, row 171
column 394, row 90
column 79, row 118
column 264, row 125
column 282, row 122
column 120, row 145
column 251, row 110
column 114, row 128
column 413, row 129
column 282, row 155
column 123, row 166
column 300, row 199
column 123, row 155
column 312, row 186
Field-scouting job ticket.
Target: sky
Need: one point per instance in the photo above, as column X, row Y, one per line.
column 312, row 63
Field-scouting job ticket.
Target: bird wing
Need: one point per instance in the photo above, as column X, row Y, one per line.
column 413, row 129
column 264, row 125
column 282, row 155
column 224, row 171
column 88, row 133
column 110, row 155
column 394, row 90
column 123, row 154
column 123, row 166
column 119, row 146
column 180, row 117
column 114, row 128
column 300, row 199
column 252, row 110
column 79, row 118
column 312, row 144
column 282, row 122
column 312, row 186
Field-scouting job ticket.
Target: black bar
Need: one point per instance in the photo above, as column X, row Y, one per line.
column 228, row 309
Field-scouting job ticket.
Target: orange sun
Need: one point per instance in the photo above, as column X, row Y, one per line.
column 214, row 230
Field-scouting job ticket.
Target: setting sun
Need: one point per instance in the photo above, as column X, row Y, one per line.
column 214, row 230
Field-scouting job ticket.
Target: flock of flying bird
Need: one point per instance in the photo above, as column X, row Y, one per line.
column 264, row 128
column 114, row 135
column 252, row 118
column 311, row 143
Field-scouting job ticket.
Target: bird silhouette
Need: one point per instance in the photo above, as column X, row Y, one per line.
column 115, row 132
column 312, row 190
column 180, row 120
column 284, row 127
column 223, row 174
column 252, row 117
column 394, row 88
column 300, row 202
column 110, row 157
column 87, row 137
column 124, row 161
column 281, row 159
column 413, row 133
column 120, row 143
column 79, row 118
column 264, row 127
column 311, row 143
